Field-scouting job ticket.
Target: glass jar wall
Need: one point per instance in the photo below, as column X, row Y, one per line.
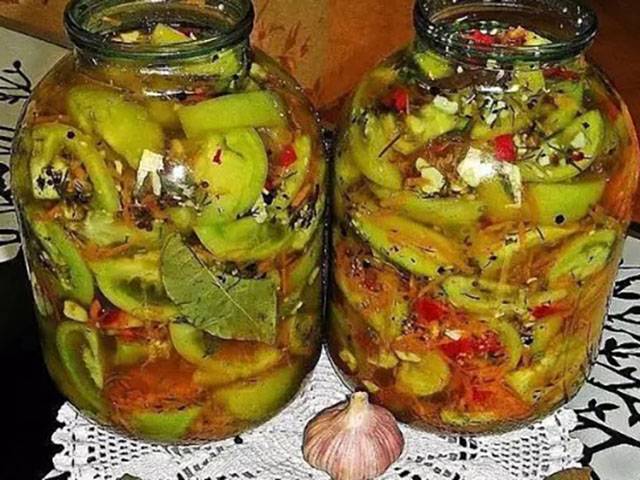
column 170, row 184
column 483, row 186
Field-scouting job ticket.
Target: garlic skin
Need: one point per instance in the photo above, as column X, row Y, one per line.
column 353, row 440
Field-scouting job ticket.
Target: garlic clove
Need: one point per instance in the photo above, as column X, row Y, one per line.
column 353, row 440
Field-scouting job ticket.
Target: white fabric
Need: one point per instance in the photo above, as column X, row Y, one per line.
column 273, row 451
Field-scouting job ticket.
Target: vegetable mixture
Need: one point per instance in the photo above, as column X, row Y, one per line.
column 174, row 234
column 479, row 220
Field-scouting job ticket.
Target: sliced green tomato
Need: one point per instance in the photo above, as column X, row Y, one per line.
column 166, row 426
column 510, row 338
column 482, row 296
column 429, row 123
column 105, row 230
column 226, row 64
column 583, row 256
column 465, row 419
column 260, row 398
column 81, row 354
column 346, row 172
column 234, row 165
column 367, row 150
column 134, row 285
column 184, row 218
column 492, row 255
column 294, row 175
column 221, row 362
column 303, row 334
column 562, row 203
column 428, row 376
column 126, row 126
column 513, row 121
column 244, row 240
column 71, row 270
column 301, row 273
column 302, row 234
column 50, row 140
column 130, row 353
column 567, row 97
column 378, row 80
column 164, row 35
column 529, row 77
column 500, row 206
column 589, row 127
column 561, row 361
column 443, row 212
column 433, row 65
column 238, row 110
column 408, row 244
column 164, row 113
column 545, row 331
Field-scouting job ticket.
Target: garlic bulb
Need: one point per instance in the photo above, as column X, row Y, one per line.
column 353, row 440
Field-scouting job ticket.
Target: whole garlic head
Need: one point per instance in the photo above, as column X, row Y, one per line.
column 353, row 440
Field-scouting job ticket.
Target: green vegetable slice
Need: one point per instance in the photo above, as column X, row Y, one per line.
column 238, row 110
column 164, row 35
column 586, row 133
column 510, row 120
column 81, row 354
column 428, row 376
column 429, row 123
column 545, row 331
column 126, row 126
column 71, row 270
column 567, row 97
column 371, row 153
column 165, row 426
column 218, row 361
column 482, row 296
column 562, row 203
column 224, row 306
column 433, row 65
column 134, row 285
column 303, row 333
column 260, row 398
column 408, row 244
column 130, row 353
column 294, row 176
column 234, row 167
column 510, row 338
column 244, row 240
column 105, row 230
column 50, row 140
column 465, row 419
column 583, row 256
column 444, row 212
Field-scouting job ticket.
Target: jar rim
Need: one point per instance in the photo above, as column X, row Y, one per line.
column 431, row 20
column 82, row 21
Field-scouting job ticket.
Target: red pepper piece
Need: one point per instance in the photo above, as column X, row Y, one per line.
column 217, row 158
column 429, row 310
column 505, row 148
column 545, row 310
column 288, row 156
column 476, row 36
column 458, row 348
column 113, row 319
column 489, row 343
column 561, row 73
column 399, row 99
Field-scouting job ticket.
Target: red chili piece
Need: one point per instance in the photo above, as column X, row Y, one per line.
column 429, row 310
column 476, row 36
column 217, row 158
column 288, row 156
column 399, row 100
column 542, row 311
column 505, row 148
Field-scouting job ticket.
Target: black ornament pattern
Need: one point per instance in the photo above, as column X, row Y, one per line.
column 15, row 85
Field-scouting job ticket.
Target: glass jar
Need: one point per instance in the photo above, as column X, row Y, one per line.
column 170, row 184
column 484, row 182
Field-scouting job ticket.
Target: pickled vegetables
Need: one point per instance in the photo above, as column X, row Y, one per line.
column 175, row 230
column 469, row 219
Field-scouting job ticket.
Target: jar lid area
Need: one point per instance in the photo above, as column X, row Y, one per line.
column 569, row 26
column 94, row 25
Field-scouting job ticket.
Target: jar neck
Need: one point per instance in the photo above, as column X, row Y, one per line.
column 218, row 29
column 568, row 25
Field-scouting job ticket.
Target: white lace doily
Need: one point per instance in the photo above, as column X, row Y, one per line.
column 273, row 451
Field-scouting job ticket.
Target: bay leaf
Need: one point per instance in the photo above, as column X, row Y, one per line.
column 222, row 305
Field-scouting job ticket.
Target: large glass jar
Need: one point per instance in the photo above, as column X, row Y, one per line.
column 484, row 181
column 170, row 184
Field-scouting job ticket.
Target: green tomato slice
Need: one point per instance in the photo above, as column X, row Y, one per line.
column 424, row 378
column 583, row 256
column 81, row 354
column 238, row 110
column 482, row 296
column 126, row 126
column 563, row 203
column 71, row 270
column 294, row 176
column 50, row 140
column 433, row 65
column 166, row 426
column 234, row 167
column 134, row 284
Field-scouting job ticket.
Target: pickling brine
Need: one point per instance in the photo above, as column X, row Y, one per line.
column 483, row 186
column 170, row 183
